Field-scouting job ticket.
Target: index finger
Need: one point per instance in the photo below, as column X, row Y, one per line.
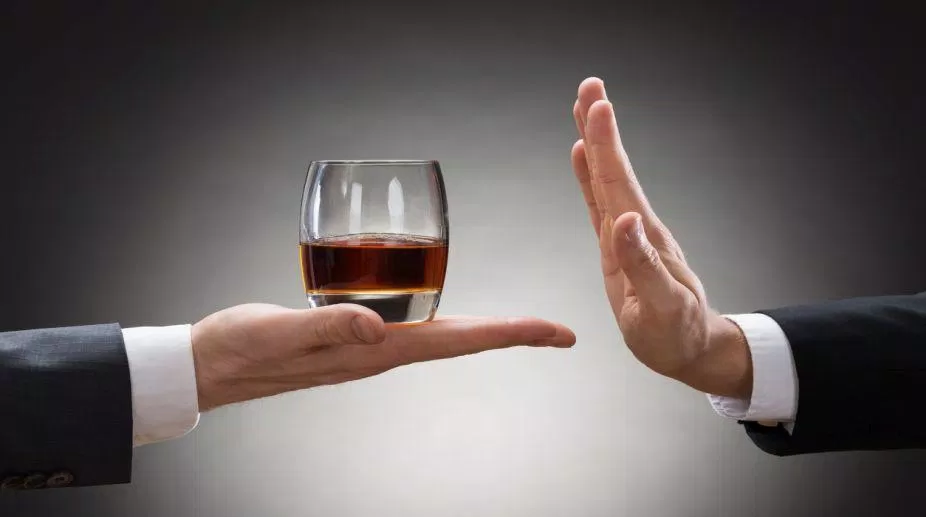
column 619, row 190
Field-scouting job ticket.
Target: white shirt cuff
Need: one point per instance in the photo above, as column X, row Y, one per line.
column 774, row 378
column 165, row 403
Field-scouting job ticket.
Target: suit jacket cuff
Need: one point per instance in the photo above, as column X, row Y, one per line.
column 774, row 381
column 165, row 403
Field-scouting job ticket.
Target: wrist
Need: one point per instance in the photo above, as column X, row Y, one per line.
column 724, row 367
column 224, row 377
column 205, row 376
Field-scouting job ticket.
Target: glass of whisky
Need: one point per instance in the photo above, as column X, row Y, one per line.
column 375, row 233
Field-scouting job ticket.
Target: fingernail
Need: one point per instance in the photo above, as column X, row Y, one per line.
column 636, row 235
column 363, row 329
column 555, row 337
column 557, row 341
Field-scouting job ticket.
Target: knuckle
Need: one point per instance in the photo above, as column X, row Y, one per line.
column 625, row 178
column 320, row 331
column 329, row 331
column 666, row 242
column 647, row 258
column 607, row 178
column 664, row 235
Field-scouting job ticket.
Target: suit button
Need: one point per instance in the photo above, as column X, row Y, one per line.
column 12, row 483
column 59, row 479
column 34, row 481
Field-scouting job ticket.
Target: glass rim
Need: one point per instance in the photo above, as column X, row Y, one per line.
column 374, row 162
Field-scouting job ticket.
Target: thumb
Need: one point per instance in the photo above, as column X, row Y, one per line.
column 341, row 324
column 640, row 261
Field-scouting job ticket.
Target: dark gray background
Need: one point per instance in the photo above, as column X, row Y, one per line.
column 153, row 157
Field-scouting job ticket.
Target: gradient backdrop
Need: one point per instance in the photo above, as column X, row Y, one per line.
column 153, row 161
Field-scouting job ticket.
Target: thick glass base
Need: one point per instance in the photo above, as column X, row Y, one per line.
column 392, row 306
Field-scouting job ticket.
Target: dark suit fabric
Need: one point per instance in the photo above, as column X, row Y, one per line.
column 65, row 408
column 861, row 369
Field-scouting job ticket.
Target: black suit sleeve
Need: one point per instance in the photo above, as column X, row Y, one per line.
column 65, row 408
column 861, row 370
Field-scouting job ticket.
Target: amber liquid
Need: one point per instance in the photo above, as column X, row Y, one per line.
column 398, row 276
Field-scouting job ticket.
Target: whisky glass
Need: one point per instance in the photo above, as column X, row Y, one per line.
column 375, row 233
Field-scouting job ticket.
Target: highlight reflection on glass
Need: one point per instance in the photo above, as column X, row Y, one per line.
column 375, row 233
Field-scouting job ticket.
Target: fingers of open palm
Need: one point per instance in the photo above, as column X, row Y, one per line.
column 616, row 182
column 580, row 167
column 605, row 155
column 452, row 336
column 590, row 91
column 443, row 338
